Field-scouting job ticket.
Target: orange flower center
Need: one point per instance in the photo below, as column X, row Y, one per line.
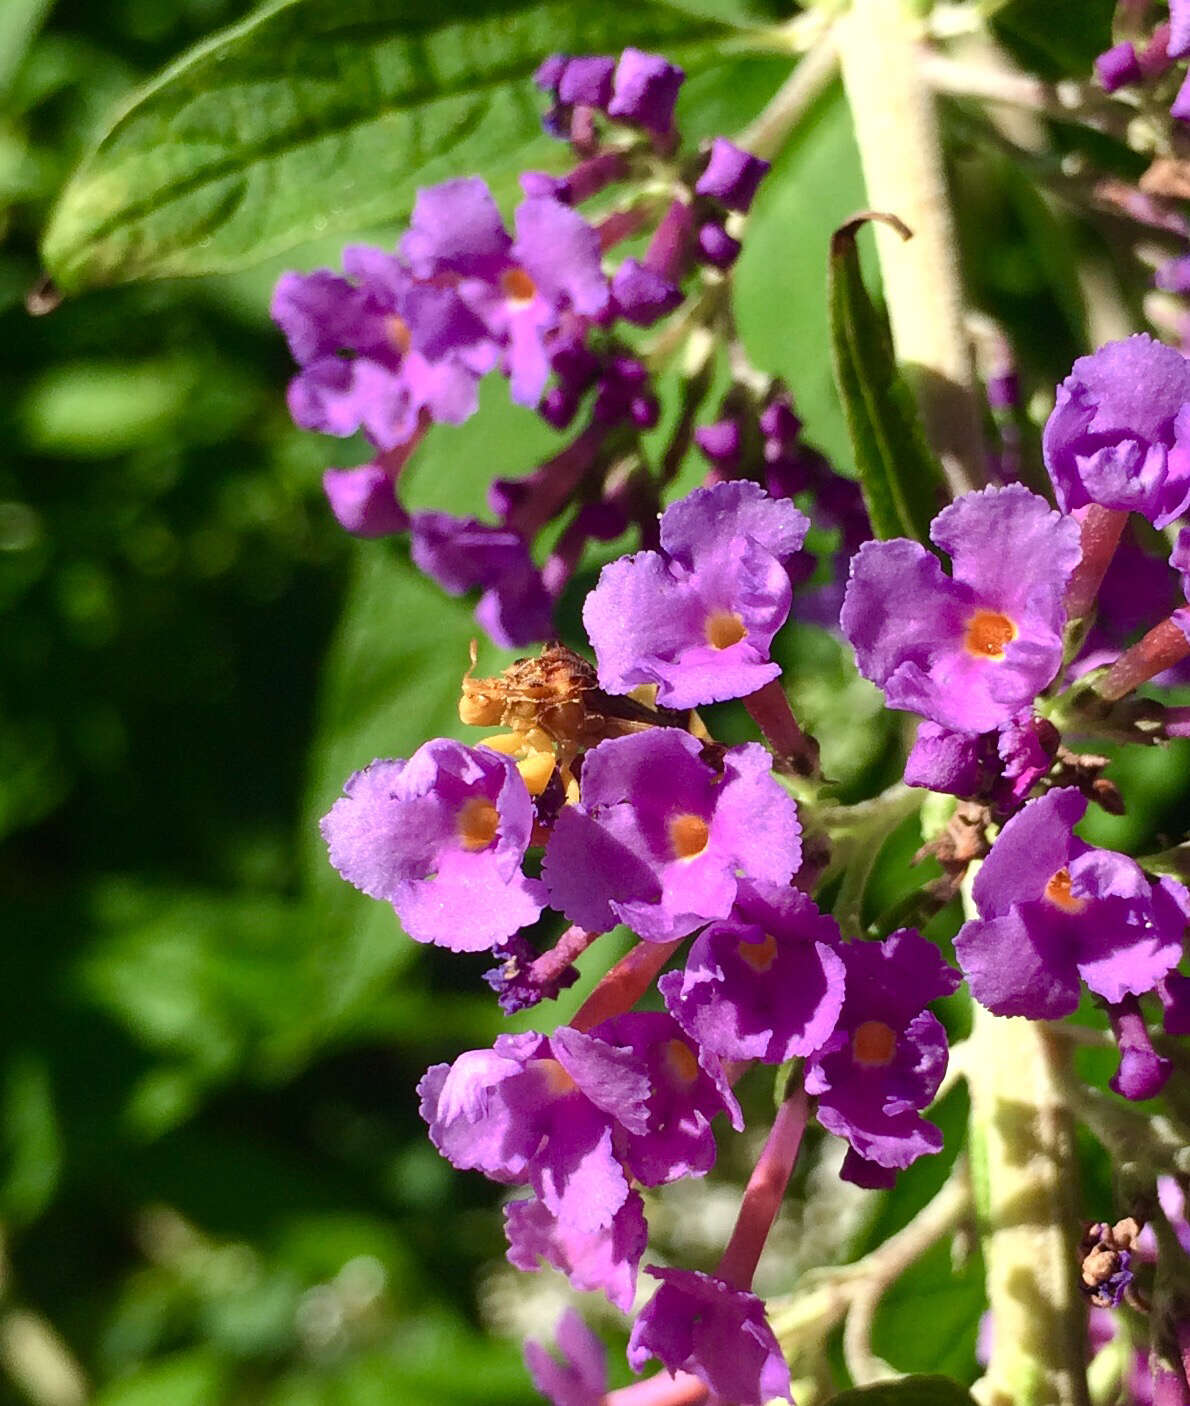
column 477, row 823
column 724, row 628
column 557, row 1081
column 759, row 955
column 681, row 1061
column 874, row 1043
column 688, row 835
column 1059, row 894
column 987, row 633
column 398, row 333
column 517, row 285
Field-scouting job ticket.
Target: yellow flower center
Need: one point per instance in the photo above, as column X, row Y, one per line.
column 688, row 835
column 987, row 633
column 1059, row 894
column 874, row 1043
column 556, row 1079
column 398, row 333
column 477, row 823
column 517, row 285
column 681, row 1061
column 759, row 955
column 724, row 628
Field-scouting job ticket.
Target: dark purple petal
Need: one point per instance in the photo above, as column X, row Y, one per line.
column 732, row 175
column 646, row 91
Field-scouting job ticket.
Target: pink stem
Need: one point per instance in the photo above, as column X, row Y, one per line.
column 1101, row 529
column 546, row 969
column 764, row 1192
column 620, row 225
column 770, row 711
column 625, row 984
column 1165, row 645
column 683, row 1389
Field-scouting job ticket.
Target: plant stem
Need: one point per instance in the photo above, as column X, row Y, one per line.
column 1022, row 1136
column 764, row 1192
column 625, row 984
column 766, row 135
column 897, row 130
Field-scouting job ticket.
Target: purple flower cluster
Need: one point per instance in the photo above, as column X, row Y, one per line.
column 399, row 341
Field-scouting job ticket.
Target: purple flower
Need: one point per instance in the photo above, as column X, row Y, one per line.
column 1054, row 909
column 580, row 1378
column 364, row 501
column 441, row 837
column 717, row 247
column 999, row 767
column 587, row 80
column 1118, row 435
column 766, row 983
column 542, row 1111
column 463, row 554
column 1178, row 44
column 522, row 290
column 642, row 295
column 1118, row 67
column 379, row 353
column 887, row 1057
column 732, row 175
column 699, row 1324
column 698, row 617
column 660, row 837
column 970, row 649
column 687, row 1090
column 603, row 1260
column 646, row 91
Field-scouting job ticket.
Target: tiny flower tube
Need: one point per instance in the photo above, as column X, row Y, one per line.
column 441, row 837
column 1164, row 646
column 1143, row 1072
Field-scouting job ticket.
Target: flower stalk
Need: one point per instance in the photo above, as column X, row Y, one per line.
column 896, row 127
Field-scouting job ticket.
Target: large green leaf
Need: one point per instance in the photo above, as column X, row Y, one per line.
column 322, row 115
column 909, row 1391
column 900, row 476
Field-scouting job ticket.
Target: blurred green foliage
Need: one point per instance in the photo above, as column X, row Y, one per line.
column 214, row 1184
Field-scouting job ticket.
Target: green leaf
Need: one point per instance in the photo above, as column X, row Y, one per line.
column 900, row 477
column 909, row 1391
column 320, row 115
